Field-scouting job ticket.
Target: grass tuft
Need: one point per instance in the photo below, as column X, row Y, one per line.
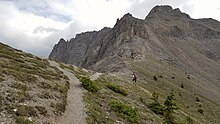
column 23, row 120
column 116, row 88
column 89, row 85
column 42, row 110
column 27, row 111
column 126, row 111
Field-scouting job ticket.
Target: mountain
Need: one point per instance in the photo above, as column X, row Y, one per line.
column 165, row 34
column 168, row 50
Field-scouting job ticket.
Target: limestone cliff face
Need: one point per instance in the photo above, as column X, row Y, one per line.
column 165, row 34
column 79, row 49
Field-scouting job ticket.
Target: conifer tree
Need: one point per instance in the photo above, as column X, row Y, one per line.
column 169, row 107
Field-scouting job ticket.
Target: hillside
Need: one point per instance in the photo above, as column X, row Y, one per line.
column 168, row 51
column 31, row 90
column 46, row 98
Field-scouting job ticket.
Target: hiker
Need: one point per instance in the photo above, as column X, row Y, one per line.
column 134, row 78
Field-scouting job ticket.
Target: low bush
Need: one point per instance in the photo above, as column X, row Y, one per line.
column 89, row 85
column 155, row 106
column 19, row 86
column 155, row 78
column 200, row 111
column 22, row 96
column 59, row 108
column 1, row 79
column 126, row 111
column 197, row 99
column 142, row 100
column 189, row 120
column 23, row 120
column 116, row 88
column 25, row 110
column 160, row 76
column 1, row 102
column 42, row 110
column 17, row 96
column 44, row 85
column 60, row 88
column 45, row 95
column 182, row 86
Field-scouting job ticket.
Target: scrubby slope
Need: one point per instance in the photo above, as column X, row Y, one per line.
column 31, row 91
column 117, row 100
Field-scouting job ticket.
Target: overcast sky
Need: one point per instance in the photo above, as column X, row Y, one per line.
column 36, row 25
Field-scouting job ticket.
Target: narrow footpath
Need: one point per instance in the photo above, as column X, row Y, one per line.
column 75, row 110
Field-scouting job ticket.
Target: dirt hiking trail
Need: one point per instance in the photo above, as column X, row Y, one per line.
column 75, row 110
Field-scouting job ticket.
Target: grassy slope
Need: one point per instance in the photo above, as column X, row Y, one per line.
column 98, row 103
column 31, row 86
column 186, row 97
column 139, row 96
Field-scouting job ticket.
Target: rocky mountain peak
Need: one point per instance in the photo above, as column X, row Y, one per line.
column 130, row 26
column 166, row 12
column 62, row 40
column 128, row 15
column 133, row 38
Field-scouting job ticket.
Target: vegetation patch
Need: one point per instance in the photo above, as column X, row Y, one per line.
column 182, row 86
column 126, row 111
column 23, row 120
column 42, row 110
column 19, row 86
column 27, row 111
column 44, row 85
column 166, row 109
column 155, row 106
column 197, row 99
column 116, row 88
column 89, row 85
column 59, row 108
column 60, row 88
column 189, row 120
column 155, row 78
column 45, row 95
column 1, row 102
column 1, row 79
column 17, row 96
column 201, row 111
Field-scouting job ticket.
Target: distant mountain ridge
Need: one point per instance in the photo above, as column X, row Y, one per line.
column 162, row 22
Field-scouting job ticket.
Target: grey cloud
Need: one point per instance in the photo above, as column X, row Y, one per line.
column 43, row 29
column 35, row 45
column 19, row 40
column 32, row 44
column 42, row 8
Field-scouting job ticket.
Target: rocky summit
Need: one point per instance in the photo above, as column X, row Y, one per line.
column 168, row 45
column 164, row 34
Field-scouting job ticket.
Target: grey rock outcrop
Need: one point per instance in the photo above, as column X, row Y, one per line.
column 133, row 38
